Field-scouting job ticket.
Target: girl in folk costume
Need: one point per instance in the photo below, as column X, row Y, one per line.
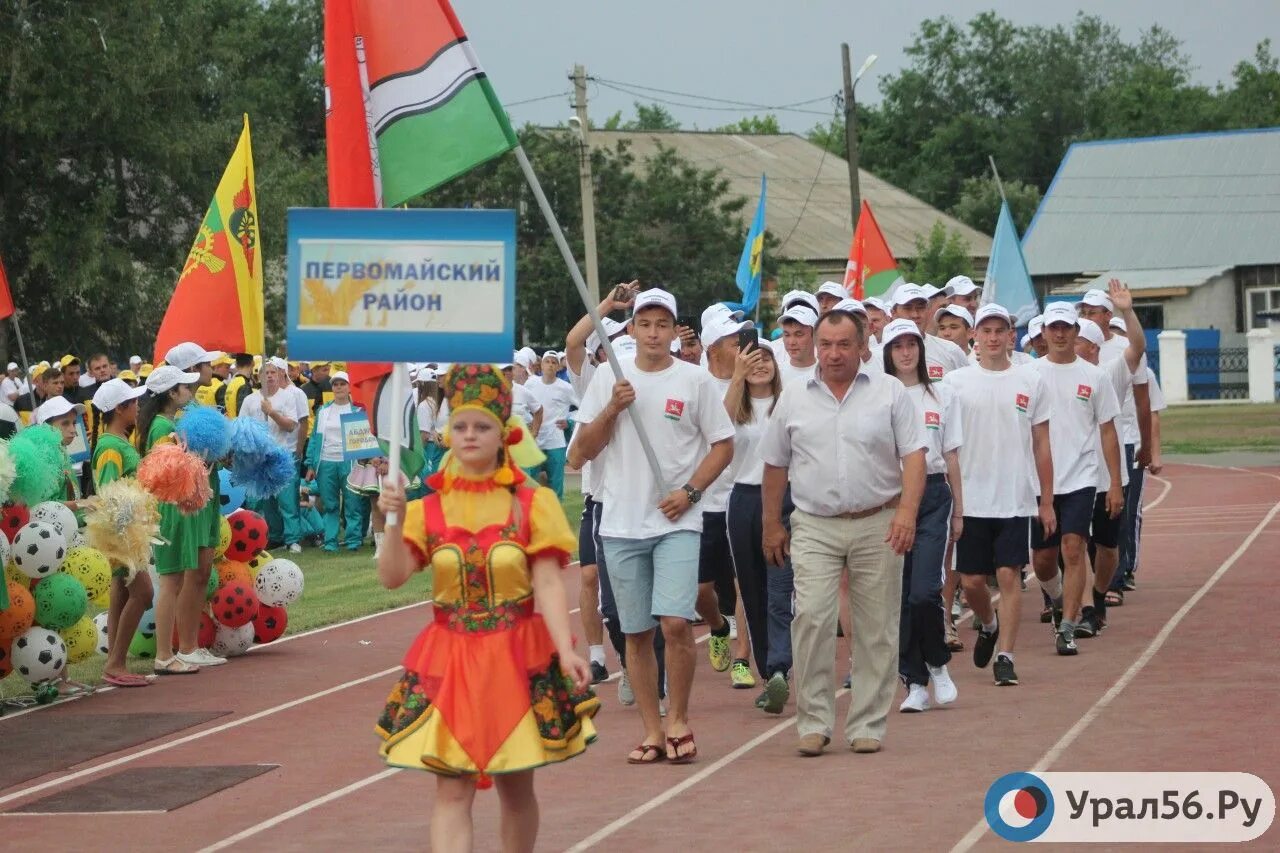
column 490, row 688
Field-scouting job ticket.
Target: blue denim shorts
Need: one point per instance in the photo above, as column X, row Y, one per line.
column 653, row 577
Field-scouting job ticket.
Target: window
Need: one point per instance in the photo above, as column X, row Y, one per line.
column 1150, row 315
column 1258, row 299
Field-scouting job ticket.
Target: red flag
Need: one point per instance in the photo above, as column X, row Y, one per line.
column 352, row 181
column 6, row 297
column 872, row 270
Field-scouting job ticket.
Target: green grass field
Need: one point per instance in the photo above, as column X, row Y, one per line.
column 1208, row 429
column 339, row 587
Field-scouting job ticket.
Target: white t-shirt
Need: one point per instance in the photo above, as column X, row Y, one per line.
column 682, row 413
column 289, row 402
column 748, row 464
column 428, row 410
column 939, row 412
column 998, row 408
column 715, row 498
column 1081, row 399
column 1117, row 371
column 789, row 374
column 941, row 357
column 1158, row 403
column 555, row 399
column 523, row 404
column 330, row 429
column 11, row 388
column 580, row 382
column 1113, row 348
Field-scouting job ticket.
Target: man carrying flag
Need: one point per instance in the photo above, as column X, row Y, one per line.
column 872, row 270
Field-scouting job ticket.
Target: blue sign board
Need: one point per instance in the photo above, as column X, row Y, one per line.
column 401, row 285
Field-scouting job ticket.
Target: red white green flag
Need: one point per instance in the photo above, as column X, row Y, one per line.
column 430, row 113
column 872, row 270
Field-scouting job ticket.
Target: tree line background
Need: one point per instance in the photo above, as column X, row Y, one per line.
column 116, row 121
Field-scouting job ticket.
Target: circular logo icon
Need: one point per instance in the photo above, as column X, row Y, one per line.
column 1019, row 806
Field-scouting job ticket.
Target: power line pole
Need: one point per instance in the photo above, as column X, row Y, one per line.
column 851, row 136
column 586, row 182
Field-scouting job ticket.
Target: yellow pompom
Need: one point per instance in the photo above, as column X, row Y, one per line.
column 504, row 477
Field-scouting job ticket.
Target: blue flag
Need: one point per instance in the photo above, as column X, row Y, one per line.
column 750, row 266
column 1008, row 282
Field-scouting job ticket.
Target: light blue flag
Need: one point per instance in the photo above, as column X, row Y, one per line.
column 750, row 267
column 1008, row 282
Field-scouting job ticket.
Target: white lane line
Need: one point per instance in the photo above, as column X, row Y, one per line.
column 134, row 756
column 81, row 814
column 1168, row 487
column 302, row 809
column 1064, row 743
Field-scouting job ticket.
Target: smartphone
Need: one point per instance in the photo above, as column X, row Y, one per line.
column 748, row 337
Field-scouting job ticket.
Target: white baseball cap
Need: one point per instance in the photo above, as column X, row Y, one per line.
column 135, row 360
column 86, row 380
column 56, row 407
column 612, row 328
column 1098, row 298
column 909, row 293
column 166, row 376
column 525, row 357
column 426, row 374
column 719, row 309
column 113, row 392
column 992, row 309
column 897, row 329
column 960, row 285
column 722, row 327
column 1119, row 323
column 1060, row 312
column 1091, row 332
column 655, row 297
column 851, row 305
column 876, row 303
column 803, row 297
column 833, row 288
column 802, row 314
column 930, row 291
column 187, row 355
column 278, row 363
column 13, row 365
column 955, row 311
column 1035, row 327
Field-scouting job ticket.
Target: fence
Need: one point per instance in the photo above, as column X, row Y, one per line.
column 1251, row 372
column 1218, row 374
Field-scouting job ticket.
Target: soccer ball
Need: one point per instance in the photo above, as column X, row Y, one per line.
column 269, row 624
column 235, row 604
column 39, row 549
column 232, row 642
column 6, row 550
column 39, row 655
column 100, row 622
column 279, row 583
column 57, row 514
column 248, row 535
column 147, row 625
column 12, row 519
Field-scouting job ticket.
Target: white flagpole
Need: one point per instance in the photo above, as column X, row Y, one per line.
column 398, row 380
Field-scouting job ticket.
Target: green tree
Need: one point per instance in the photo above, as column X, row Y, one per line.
column 753, row 126
column 1254, row 101
column 979, row 203
column 939, row 256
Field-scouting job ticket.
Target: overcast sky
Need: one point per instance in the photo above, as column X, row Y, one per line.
column 770, row 52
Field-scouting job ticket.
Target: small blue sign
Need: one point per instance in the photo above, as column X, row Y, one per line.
column 401, row 285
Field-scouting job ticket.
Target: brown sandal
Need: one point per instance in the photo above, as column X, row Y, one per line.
column 675, row 743
column 645, row 750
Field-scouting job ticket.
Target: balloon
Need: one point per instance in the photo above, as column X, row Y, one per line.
column 57, row 514
column 256, row 564
column 60, row 602
column 81, row 639
column 279, row 583
column 269, row 624
column 38, row 549
column 143, row 645
column 215, row 581
column 91, row 567
column 6, row 551
column 229, row 570
column 103, row 600
column 13, row 518
column 147, row 624
column 39, row 654
column 100, row 626
column 235, row 604
column 232, row 642
column 224, row 535
column 12, row 573
column 21, row 614
column 230, row 497
column 6, row 655
column 208, row 631
column 248, row 535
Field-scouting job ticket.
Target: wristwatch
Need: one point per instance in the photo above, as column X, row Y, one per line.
column 695, row 495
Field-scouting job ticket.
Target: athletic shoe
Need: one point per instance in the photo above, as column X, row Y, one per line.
column 763, row 697
column 956, row 607
column 733, row 627
column 1046, row 615
column 1003, row 671
column 1129, row 583
column 718, row 651
column 985, row 646
column 625, row 696
column 1066, row 644
column 598, row 673
column 1057, row 619
column 741, row 676
column 662, row 708
column 848, row 682
column 917, row 699
column 295, row 548
column 201, row 657
column 776, row 693
column 1086, row 628
column 944, row 689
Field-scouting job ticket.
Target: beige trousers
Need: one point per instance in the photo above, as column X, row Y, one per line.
column 822, row 548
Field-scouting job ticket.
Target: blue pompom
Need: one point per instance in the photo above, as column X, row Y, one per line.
column 206, row 431
column 250, row 440
column 266, row 476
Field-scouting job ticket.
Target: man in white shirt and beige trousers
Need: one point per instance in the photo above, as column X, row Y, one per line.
column 854, row 451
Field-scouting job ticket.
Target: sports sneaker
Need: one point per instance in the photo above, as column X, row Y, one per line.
column 917, row 700
column 1085, row 628
column 295, row 548
column 985, row 646
column 776, row 693
column 718, row 651
column 1066, row 644
column 201, row 657
column 1046, row 615
column 944, row 689
column 741, row 675
column 1057, row 619
column 763, row 697
column 625, row 696
column 733, row 626
column 1129, row 583
column 1002, row 669
column 598, row 673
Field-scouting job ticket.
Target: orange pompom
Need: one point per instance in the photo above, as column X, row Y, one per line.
column 176, row 476
column 504, row 477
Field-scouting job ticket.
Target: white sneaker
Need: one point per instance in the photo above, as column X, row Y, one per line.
column 917, row 700
column 733, row 627
column 202, row 657
column 295, row 548
column 625, row 696
column 944, row 689
column 662, row 708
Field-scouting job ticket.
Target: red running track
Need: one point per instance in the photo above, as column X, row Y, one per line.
column 1183, row 679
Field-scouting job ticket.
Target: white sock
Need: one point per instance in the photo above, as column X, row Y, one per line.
column 1053, row 588
column 597, row 654
column 990, row 627
column 1008, row 655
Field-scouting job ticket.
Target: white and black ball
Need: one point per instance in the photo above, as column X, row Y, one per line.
column 39, row 549
column 39, row 655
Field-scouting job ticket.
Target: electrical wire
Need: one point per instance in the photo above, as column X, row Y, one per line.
column 537, row 99
column 735, row 106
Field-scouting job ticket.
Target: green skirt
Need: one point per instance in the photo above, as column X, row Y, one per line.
column 184, row 533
